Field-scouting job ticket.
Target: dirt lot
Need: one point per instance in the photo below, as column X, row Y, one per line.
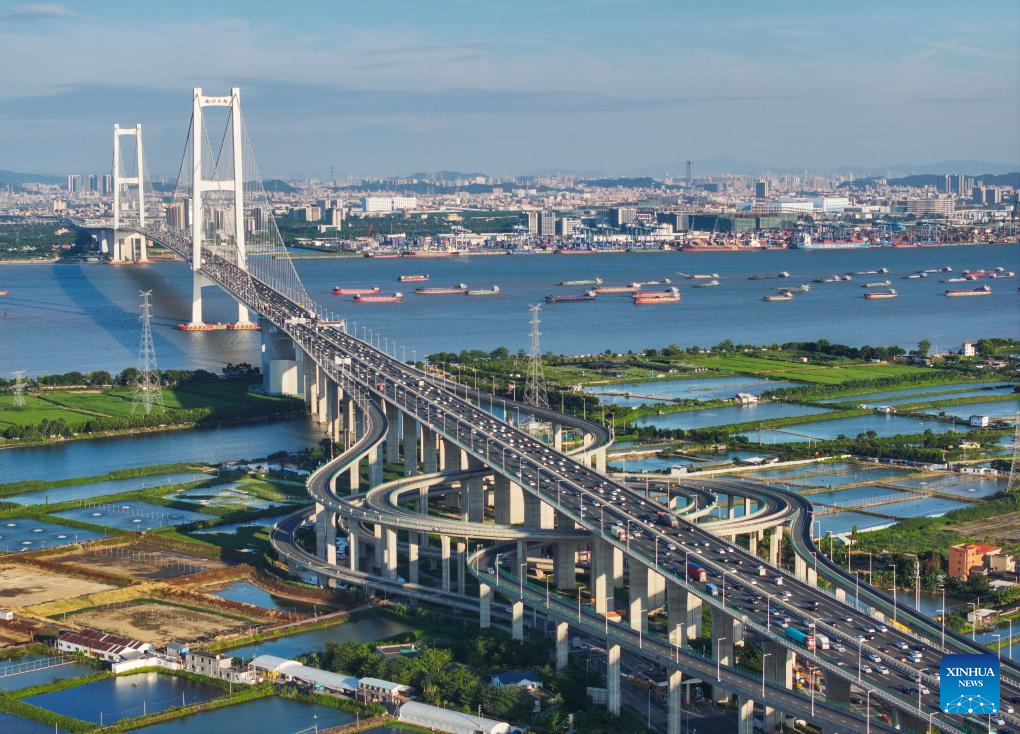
column 1002, row 528
column 139, row 560
column 21, row 586
column 157, row 623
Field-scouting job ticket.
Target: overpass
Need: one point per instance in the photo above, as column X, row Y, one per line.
column 543, row 503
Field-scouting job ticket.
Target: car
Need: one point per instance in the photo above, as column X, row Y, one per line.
column 883, row 670
column 865, row 668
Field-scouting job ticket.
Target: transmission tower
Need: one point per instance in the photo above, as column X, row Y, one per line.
column 1014, row 467
column 148, row 392
column 19, row 389
column 535, row 392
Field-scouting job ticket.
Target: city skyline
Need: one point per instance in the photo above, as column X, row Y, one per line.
column 638, row 86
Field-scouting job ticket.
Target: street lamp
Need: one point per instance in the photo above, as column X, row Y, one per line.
column 920, row 683
column 524, row 572
column 998, row 645
column 718, row 659
column 763, row 674
column 867, row 714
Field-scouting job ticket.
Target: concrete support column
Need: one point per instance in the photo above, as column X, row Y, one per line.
column 325, row 534
column 752, row 543
column 472, row 500
column 409, row 431
column 429, row 451
column 722, row 648
column 613, row 678
column 562, row 645
column 775, row 543
column 674, row 701
column 800, row 568
column 557, row 436
column 378, row 548
column 841, row 595
column 353, row 550
column 454, row 457
column 375, row 467
column 779, row 667
column 745, row 715
column 811, row 575
column 461, row 566
column 413, row 552
column 444, row 556
column 748, row 506
column 676, row 615
column 637, row 614
column 350, row 422
column 390, row 554
column 484, row 605
column 509, row 501
column 731, row 507
column 601, row 575
column 600, row 461
column 517, row 621
column 565, row 562
column 837, row 689
column 354, row 476
column 538, row 514
column 656, row 590
column 392, row 433
column 617, row 568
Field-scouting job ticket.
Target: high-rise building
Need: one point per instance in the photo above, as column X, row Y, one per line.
column 530, row 220
column 622, row 216
column 961, row 185
column 333, row 217
column 106, row 184
column 73, row 183
column 941, row 205
column 946, row 185
column 761, row 189
column 568, row 226
column 177, row 216
column 310, row 214
column 546, row 224
column 690, row 173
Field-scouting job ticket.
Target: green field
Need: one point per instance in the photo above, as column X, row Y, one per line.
column 34, row 412
column 825, row 374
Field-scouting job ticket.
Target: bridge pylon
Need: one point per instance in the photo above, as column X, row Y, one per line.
column 123, row 243
column 200, row 185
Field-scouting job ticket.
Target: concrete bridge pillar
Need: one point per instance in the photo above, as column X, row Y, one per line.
column 748, row 506
column 429, row 450
column 413, row 553
column 722, row 644
column 775, row 545
column 683, row 614
column 601, row 575
column 517, row 620
column 745, row 715
column 454, row 457
column 837, row 689
column 392, row 433
column 752, row 543
column 379, row 561
column 350, row 409
column 472, row 498
column 375, row 467
column 353, row 550
column 509, row 501
column 617, row 568
column 410, row 434
column 637, row 614
column 731, row 507
column 565, row 562
column 600, row 461
column 325, row 534
column 354, row 476
column 779, row 669
column 656, row 590
column 280, row 372
column 674, row 703
column 613, row 697
column 462, row 566
column 800, row 568
column 811, row 575
column 390, row 557
column 557, row 436
column 562, row 645
column 538, row 514
column 841, row 594
column 444, row 556
column 484, row 605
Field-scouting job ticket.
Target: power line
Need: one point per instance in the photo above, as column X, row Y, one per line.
column 535, row 392
column 19, row 389
column 148, row 391
column 1014, row 467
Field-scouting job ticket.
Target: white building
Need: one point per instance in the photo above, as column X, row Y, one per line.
column 382, row 204
column 102, row 646
column 277, row 669
column 452, row 722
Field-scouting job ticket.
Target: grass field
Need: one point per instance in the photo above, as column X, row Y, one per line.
column 831, row 374
column 34, row 412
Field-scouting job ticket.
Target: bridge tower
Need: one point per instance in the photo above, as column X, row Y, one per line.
column 122, row 247
column 200, row 184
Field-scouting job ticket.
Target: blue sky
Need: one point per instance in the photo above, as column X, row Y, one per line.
column 619, row 86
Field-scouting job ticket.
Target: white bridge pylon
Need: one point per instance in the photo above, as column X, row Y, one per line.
column 200, row 185
column 123, row 244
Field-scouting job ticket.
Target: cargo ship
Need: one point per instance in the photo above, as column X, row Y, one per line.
column 780, row 274
column 916, row 276
column 589, row 296
column 834, row 279
column 802, row 288
column 4, row 293
column 668, row 293
column 412, row 278
column 698, row 276
column 880, row 271
column 805, row 242
column 722, row 248
column 990, row 273
column 341, row 291
column 563, row 251
column 784, row 296
column 640, row 301
column 664, row 281
column 878, row 284
column 632, row 288
column 442, row 290
column 706, row 284
column 432, row 253
column 876, row 295
column 376, row 298
column 985, row 290
column 588, row 281
column 494, row 291
column 382, row 255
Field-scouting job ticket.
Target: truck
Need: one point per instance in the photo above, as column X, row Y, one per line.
column 697, row 573
column 618, row 532
column 668, row 519
column 712, row 589
column 800, row 637
column 821, row 641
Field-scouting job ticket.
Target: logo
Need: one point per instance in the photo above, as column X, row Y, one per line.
column 969, row 684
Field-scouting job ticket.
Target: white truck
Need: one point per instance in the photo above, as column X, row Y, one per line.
column 821, row 641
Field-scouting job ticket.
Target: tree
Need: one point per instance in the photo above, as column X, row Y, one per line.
column 923, row 347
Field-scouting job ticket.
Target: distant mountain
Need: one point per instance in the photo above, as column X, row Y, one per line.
column 935, row 179
column 726, row 164
column 443, row 175
column 13, row 177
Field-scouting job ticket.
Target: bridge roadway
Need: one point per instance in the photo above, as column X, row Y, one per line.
column 557, row 479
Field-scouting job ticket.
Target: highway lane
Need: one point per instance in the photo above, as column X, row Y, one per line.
column 558, row 479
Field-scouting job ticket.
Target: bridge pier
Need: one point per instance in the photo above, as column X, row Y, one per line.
column 379, row 561
column 745, row 715
column 444, row 556
column 390, row 554
column 509, row 501
column 656, row 590
column 601, row 573
column 562, row 645
column 462, row 566
column 392, row 433
column 353, row 549
column 280, row 373
column 565, row 563
column 517, row 620
column 325, row 534
column 429, row 451
column 674, row 703
column 375, row 468
column 779, row 668
column 637, row 613
column 484, row 605
column 613, row 697
column 800, row 568
column 775, row 544
column 413, row 553
column 454, row 457
column 722, row 637
column 538, row 514
column 752, row 543
column 557, row 436
column 410, row 434
column 472, row 499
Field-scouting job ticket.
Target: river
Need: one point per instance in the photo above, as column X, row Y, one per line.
column 90, row 310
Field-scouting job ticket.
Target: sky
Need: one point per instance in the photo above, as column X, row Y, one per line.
column 511, row 88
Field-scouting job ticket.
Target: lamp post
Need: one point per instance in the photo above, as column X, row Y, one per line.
column 497, row 569
column 763, row 674
column 998, row 644
column 920, row 683
column 973, row 625
column 867, row 714
column 524, row 572
column 718, row 659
